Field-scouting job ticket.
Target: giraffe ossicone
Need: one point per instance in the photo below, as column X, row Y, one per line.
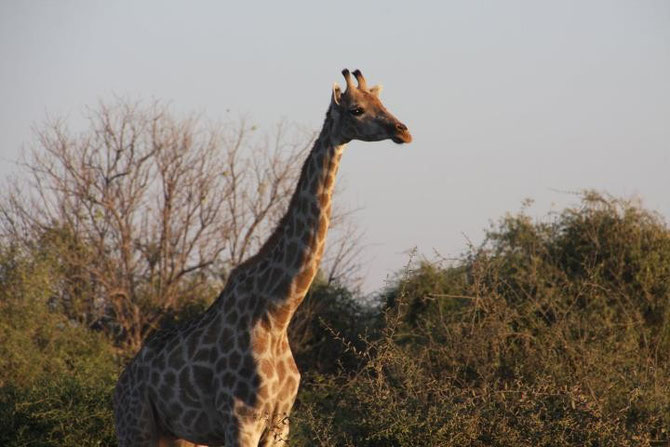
column 228, row 377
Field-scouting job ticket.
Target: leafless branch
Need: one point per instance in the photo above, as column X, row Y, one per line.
column 143, row 208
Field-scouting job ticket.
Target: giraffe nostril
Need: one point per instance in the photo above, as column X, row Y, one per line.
column 401, row 127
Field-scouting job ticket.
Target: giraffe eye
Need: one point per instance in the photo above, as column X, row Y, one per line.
column 357, row 111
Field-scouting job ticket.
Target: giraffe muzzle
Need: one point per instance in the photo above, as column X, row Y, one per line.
column 401, row 134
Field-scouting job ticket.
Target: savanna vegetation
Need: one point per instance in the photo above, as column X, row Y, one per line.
column 552, row 332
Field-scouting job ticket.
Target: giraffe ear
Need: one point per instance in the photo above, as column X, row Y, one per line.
column 337, row 93
column 376, row 90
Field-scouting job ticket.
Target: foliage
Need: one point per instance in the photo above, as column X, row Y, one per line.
column 328, row 328
column 58, row 410
column 56, row 377
column 552, row 333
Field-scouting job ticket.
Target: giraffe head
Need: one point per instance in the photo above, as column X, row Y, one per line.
column 359, row 114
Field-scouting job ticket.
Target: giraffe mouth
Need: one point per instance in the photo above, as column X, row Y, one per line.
column 402, row 137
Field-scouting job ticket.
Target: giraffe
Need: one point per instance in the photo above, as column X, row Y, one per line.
column 228, row 377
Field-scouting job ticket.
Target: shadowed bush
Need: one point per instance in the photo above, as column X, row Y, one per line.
column 552, row 333
column 328, row 328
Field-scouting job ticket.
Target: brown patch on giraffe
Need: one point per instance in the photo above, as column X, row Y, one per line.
column 189, row 416
column 170, row 378
column 244, row 321
column 291, row 253
column 193, row 342
column 324, row 200
column 221, row 363
column 267, row 369
column 249, row 283
column 228, row 380
column 263, row 392
column 203, row 376
column 285, row 392
column 281, row 370
column 176, row 358
column 291, row 385
column 211, row 334
column 151, row 392
column 234, row 360
column 281, row 314
column 266, row 322
column 213, row 355
column 159, row 361
column 202, row 356
column 242, row 342
column 175, row 409
column 166, row 391
column 232, row 317
column 260, row 343
column 188, row 399
column 202, row 423
column 227, row 339
column 185, row 382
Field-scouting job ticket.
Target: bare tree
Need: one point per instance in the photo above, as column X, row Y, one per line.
column 145, row 211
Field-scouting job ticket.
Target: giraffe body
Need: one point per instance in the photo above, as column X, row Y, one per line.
column 229, row 378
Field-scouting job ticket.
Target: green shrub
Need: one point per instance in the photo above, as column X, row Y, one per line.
column 552, row 333
column 56, row 377
column 327, row 329
column 57, row 410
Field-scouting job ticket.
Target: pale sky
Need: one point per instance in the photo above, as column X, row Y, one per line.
column 506, row 100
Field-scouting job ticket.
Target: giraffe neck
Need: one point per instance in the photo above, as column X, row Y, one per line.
column 281, row 272
column 307, row 219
